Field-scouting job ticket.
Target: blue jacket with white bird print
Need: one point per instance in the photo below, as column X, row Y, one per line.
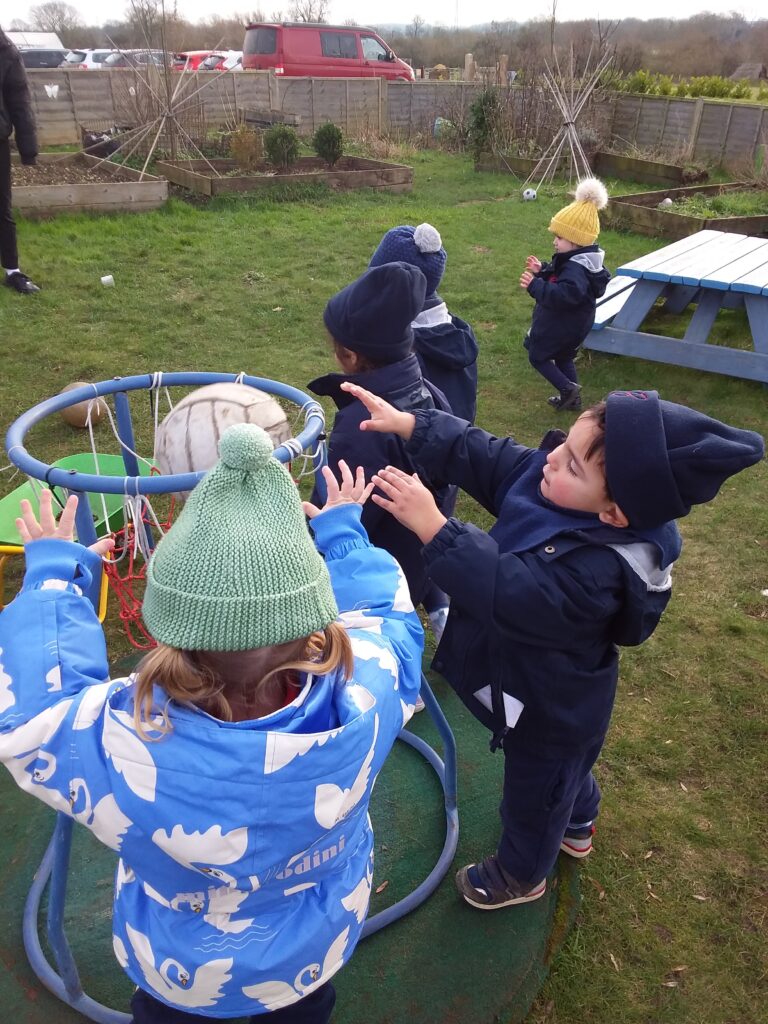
column 246, row 903
column 566, row 293
column 540, row 602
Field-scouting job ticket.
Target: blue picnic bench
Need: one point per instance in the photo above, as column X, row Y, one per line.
column 710, row 271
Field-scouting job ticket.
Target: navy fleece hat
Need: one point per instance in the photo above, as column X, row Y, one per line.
column 662, row 458
column 422, row 247
column 373, row 315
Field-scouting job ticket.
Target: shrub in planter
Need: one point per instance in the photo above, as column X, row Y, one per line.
column 484, row 122
column 281, row 145
column 328, row 143
column 246, row 147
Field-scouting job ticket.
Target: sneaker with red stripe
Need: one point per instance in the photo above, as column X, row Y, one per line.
column 577, row 842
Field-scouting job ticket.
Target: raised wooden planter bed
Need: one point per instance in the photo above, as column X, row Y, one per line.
column 641, row 213
column 652, row 172
column 129, row 196
column 502, row 163
column 351, row 172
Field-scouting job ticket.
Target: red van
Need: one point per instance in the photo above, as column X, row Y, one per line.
column 321, row 51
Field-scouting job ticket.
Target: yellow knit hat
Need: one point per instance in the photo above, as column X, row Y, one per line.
column 579, row 222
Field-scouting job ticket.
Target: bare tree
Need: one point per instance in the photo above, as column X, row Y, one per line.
column 416, row 27
column 18, row 25
column 552, row 26
column 55, row 17
column 309, row 10
column 145, row 17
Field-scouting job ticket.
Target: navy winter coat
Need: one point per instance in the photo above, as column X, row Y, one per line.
column 566, row 291
column 15, row 102
column 534, row 620
column 402, row 385
column 446, row 348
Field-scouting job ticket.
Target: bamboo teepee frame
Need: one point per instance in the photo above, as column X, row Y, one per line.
column 571, row 96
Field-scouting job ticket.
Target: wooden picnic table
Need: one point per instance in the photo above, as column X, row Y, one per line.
column 710, row 271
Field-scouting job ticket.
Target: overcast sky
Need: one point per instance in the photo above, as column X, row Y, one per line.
column 445, row 12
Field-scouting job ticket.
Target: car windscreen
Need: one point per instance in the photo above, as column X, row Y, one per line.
column 260, row 40
column 212, row 62
column 75, row 57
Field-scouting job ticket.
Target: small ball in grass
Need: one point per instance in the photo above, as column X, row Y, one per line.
column 529, row 194
column 77, row 415
column 666, row 202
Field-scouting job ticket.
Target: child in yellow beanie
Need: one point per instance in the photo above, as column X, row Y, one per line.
column 566, row 291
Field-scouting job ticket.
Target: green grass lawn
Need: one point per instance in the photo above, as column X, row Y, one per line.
column 675, row 911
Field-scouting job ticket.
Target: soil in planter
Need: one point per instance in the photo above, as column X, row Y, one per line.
column 747, row 203
column 61, row 173
column 305, row 165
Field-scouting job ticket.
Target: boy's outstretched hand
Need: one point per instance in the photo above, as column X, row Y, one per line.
column 385, row 418
column 410, row 502
column 31, row 530
column 533, row 264
column 349, row 491
column 525, row 280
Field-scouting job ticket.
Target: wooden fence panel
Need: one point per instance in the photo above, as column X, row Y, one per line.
column 743, row 134
column 53, row 106
column 712, row 131
column 677, row 128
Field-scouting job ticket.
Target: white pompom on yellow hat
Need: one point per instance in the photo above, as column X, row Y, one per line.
column 579, row 222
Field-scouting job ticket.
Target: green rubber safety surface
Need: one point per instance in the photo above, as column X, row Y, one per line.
column 445, row 962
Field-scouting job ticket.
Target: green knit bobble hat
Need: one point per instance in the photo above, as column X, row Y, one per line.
column 238, row 570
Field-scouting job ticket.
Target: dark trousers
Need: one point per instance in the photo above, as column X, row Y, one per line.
column 559, row 371
column 542, row 796
column 9, row 255
column 316, row 1008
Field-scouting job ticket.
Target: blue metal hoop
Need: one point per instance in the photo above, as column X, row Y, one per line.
column 65, row 984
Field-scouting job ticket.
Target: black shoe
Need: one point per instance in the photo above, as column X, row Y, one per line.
column 487, row 886
column 567, row 400
column 21, row 283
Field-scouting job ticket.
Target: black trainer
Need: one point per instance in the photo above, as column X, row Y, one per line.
column 567, row 401
column 21, row 283
column 487, row 886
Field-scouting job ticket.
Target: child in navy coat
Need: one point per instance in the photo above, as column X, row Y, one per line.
column 578, row 562
column 444, row 344
column 566, row 291
column 369, row 322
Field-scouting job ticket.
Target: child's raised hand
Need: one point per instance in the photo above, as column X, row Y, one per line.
column 533, row 264
column 348, row 491
column 525, row 279
column 410, row 502
column 31, row 530
column 385, row 418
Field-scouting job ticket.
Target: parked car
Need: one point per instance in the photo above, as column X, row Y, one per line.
column 190, row 60
column 327, row 51
column 88, row 60
column 40, row 58
column 231, row 61
column 136, row 59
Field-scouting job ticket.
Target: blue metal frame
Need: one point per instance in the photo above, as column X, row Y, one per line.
column 65, row 983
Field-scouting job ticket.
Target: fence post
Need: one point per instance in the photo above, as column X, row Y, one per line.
column 468, row 67
column 724, row 143
column 758, row 133
column 274, row 91
column 698, row 113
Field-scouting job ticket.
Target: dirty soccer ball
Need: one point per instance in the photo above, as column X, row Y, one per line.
column 529, row 194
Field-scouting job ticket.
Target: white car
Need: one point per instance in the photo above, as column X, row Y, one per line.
column 89, row 60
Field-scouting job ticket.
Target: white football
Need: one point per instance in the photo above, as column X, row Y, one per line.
column 529, row 194
column 666, row 202
column 188, row 438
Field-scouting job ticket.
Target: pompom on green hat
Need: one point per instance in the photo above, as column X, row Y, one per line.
column 238, row 570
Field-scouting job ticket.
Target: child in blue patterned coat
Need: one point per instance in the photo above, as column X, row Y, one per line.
column 232, row 774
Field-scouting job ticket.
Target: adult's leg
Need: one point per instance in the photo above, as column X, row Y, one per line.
column 9, row 256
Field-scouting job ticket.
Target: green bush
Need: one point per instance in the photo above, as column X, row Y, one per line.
column 484, row 122
column 281, row 145
column 328, row 143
